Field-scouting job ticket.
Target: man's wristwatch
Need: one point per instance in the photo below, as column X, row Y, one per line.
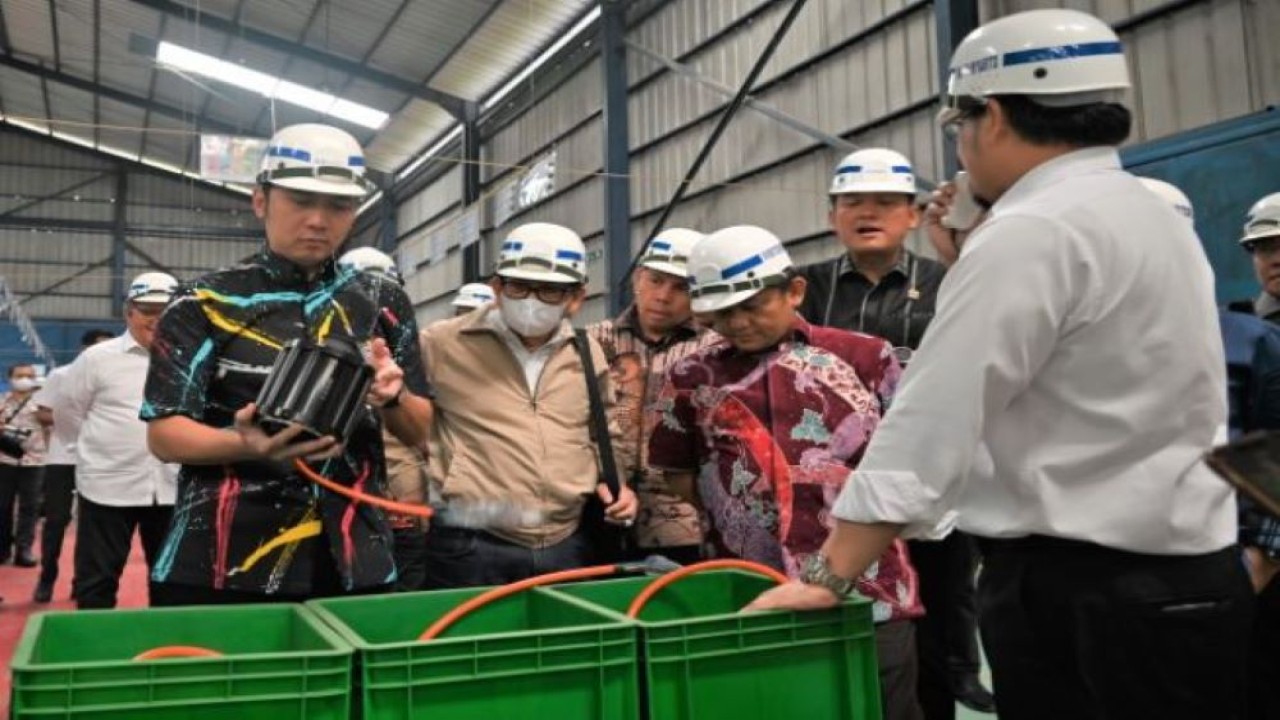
column 817, row 571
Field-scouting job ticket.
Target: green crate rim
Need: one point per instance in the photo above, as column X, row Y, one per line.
column 21, row 661
column 614, row 622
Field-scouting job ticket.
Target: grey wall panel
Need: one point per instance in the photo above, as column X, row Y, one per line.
column 69, row 307
column 433, row 311
column 27, row 279
column 191, row 256
column 429, row 202
column 60, row 247
column 839, row 94
column 568, row 105
column 435, row 279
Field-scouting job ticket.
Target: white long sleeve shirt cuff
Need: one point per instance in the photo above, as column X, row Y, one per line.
column 894, row 496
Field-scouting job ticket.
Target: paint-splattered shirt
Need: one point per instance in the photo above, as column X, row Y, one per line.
column 773, row 437
column 257, row 527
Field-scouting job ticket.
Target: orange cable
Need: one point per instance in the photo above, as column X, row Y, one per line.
column 176, row 651
column 656, row 586
column 502, row 591
column 392, row 506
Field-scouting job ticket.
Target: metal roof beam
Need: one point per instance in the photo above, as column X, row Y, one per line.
column 118, row 95
column 452, row 103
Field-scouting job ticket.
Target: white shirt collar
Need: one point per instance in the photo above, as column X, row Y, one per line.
column 1052, row 172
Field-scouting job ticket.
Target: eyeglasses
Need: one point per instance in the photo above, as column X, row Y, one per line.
column 549, row 294
column 965, row 108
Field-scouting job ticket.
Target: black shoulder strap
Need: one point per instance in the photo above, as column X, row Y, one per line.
column 599, row 424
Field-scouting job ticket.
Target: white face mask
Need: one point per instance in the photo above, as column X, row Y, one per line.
column 23, row 384
column 530, row 317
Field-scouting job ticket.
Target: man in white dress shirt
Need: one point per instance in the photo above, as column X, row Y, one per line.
column 122, row 486
column 59, row 473
column 1061, row 403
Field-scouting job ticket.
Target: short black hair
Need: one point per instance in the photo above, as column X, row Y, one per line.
column 14, row 368
column 1090, row 125
column 94, row 336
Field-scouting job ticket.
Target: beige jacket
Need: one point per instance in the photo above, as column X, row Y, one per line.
column 493, row 442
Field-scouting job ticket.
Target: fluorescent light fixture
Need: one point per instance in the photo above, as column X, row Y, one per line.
column 430, row 152
column 269, row 86
column 550, row 52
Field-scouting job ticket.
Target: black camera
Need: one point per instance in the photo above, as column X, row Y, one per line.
column 11, row 440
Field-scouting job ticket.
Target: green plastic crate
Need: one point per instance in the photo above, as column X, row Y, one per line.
column 279, row 662
column 531, row 656
column 704, row 660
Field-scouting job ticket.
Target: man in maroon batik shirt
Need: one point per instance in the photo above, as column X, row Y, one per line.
column 772, row 420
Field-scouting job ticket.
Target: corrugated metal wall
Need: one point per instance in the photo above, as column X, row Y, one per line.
column 864, row 70
column 181, row 226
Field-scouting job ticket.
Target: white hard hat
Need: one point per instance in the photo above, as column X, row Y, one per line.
column 1263, row 220
column 1058, row 57
column 668, row 252
column 1172, row 195
column 473, row 295
column 367, row 259
column 543, row 252
column 734, row 264
column 315, row 158
column 874, row 170
column 152, row 287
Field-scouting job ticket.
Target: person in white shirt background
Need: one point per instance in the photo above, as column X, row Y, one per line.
column 121, row 485
column 59, row 474
column 1060, row 406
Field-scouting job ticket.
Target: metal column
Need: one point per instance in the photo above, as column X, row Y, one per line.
column 389, row 222
column 119, row 242
column 954, row 19
column 471, row 266
column 617, row 154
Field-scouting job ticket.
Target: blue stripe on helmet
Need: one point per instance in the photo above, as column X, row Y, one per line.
column 660, row 245
column 512, row 245
column 848, row 169
column 569, row 255
column 901, row 169
column 288, row 152
column 741, row 267
column 1061, row 52
column 355, row 161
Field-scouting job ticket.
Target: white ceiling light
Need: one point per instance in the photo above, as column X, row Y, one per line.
column 269, row 86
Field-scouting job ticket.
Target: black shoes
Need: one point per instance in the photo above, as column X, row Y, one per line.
column 970, row 693
column 43, row 593
column 25, row 559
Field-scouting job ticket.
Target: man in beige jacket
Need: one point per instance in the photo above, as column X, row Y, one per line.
column 512, row 456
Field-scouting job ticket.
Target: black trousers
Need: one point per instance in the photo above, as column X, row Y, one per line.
column 1081, row 632
column 947, row 636
column 104, row 534
column 1264, row 680
column 411, row 558
column 457, row 557
column 59, row 496
column 896, row 655
column 19, row 486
